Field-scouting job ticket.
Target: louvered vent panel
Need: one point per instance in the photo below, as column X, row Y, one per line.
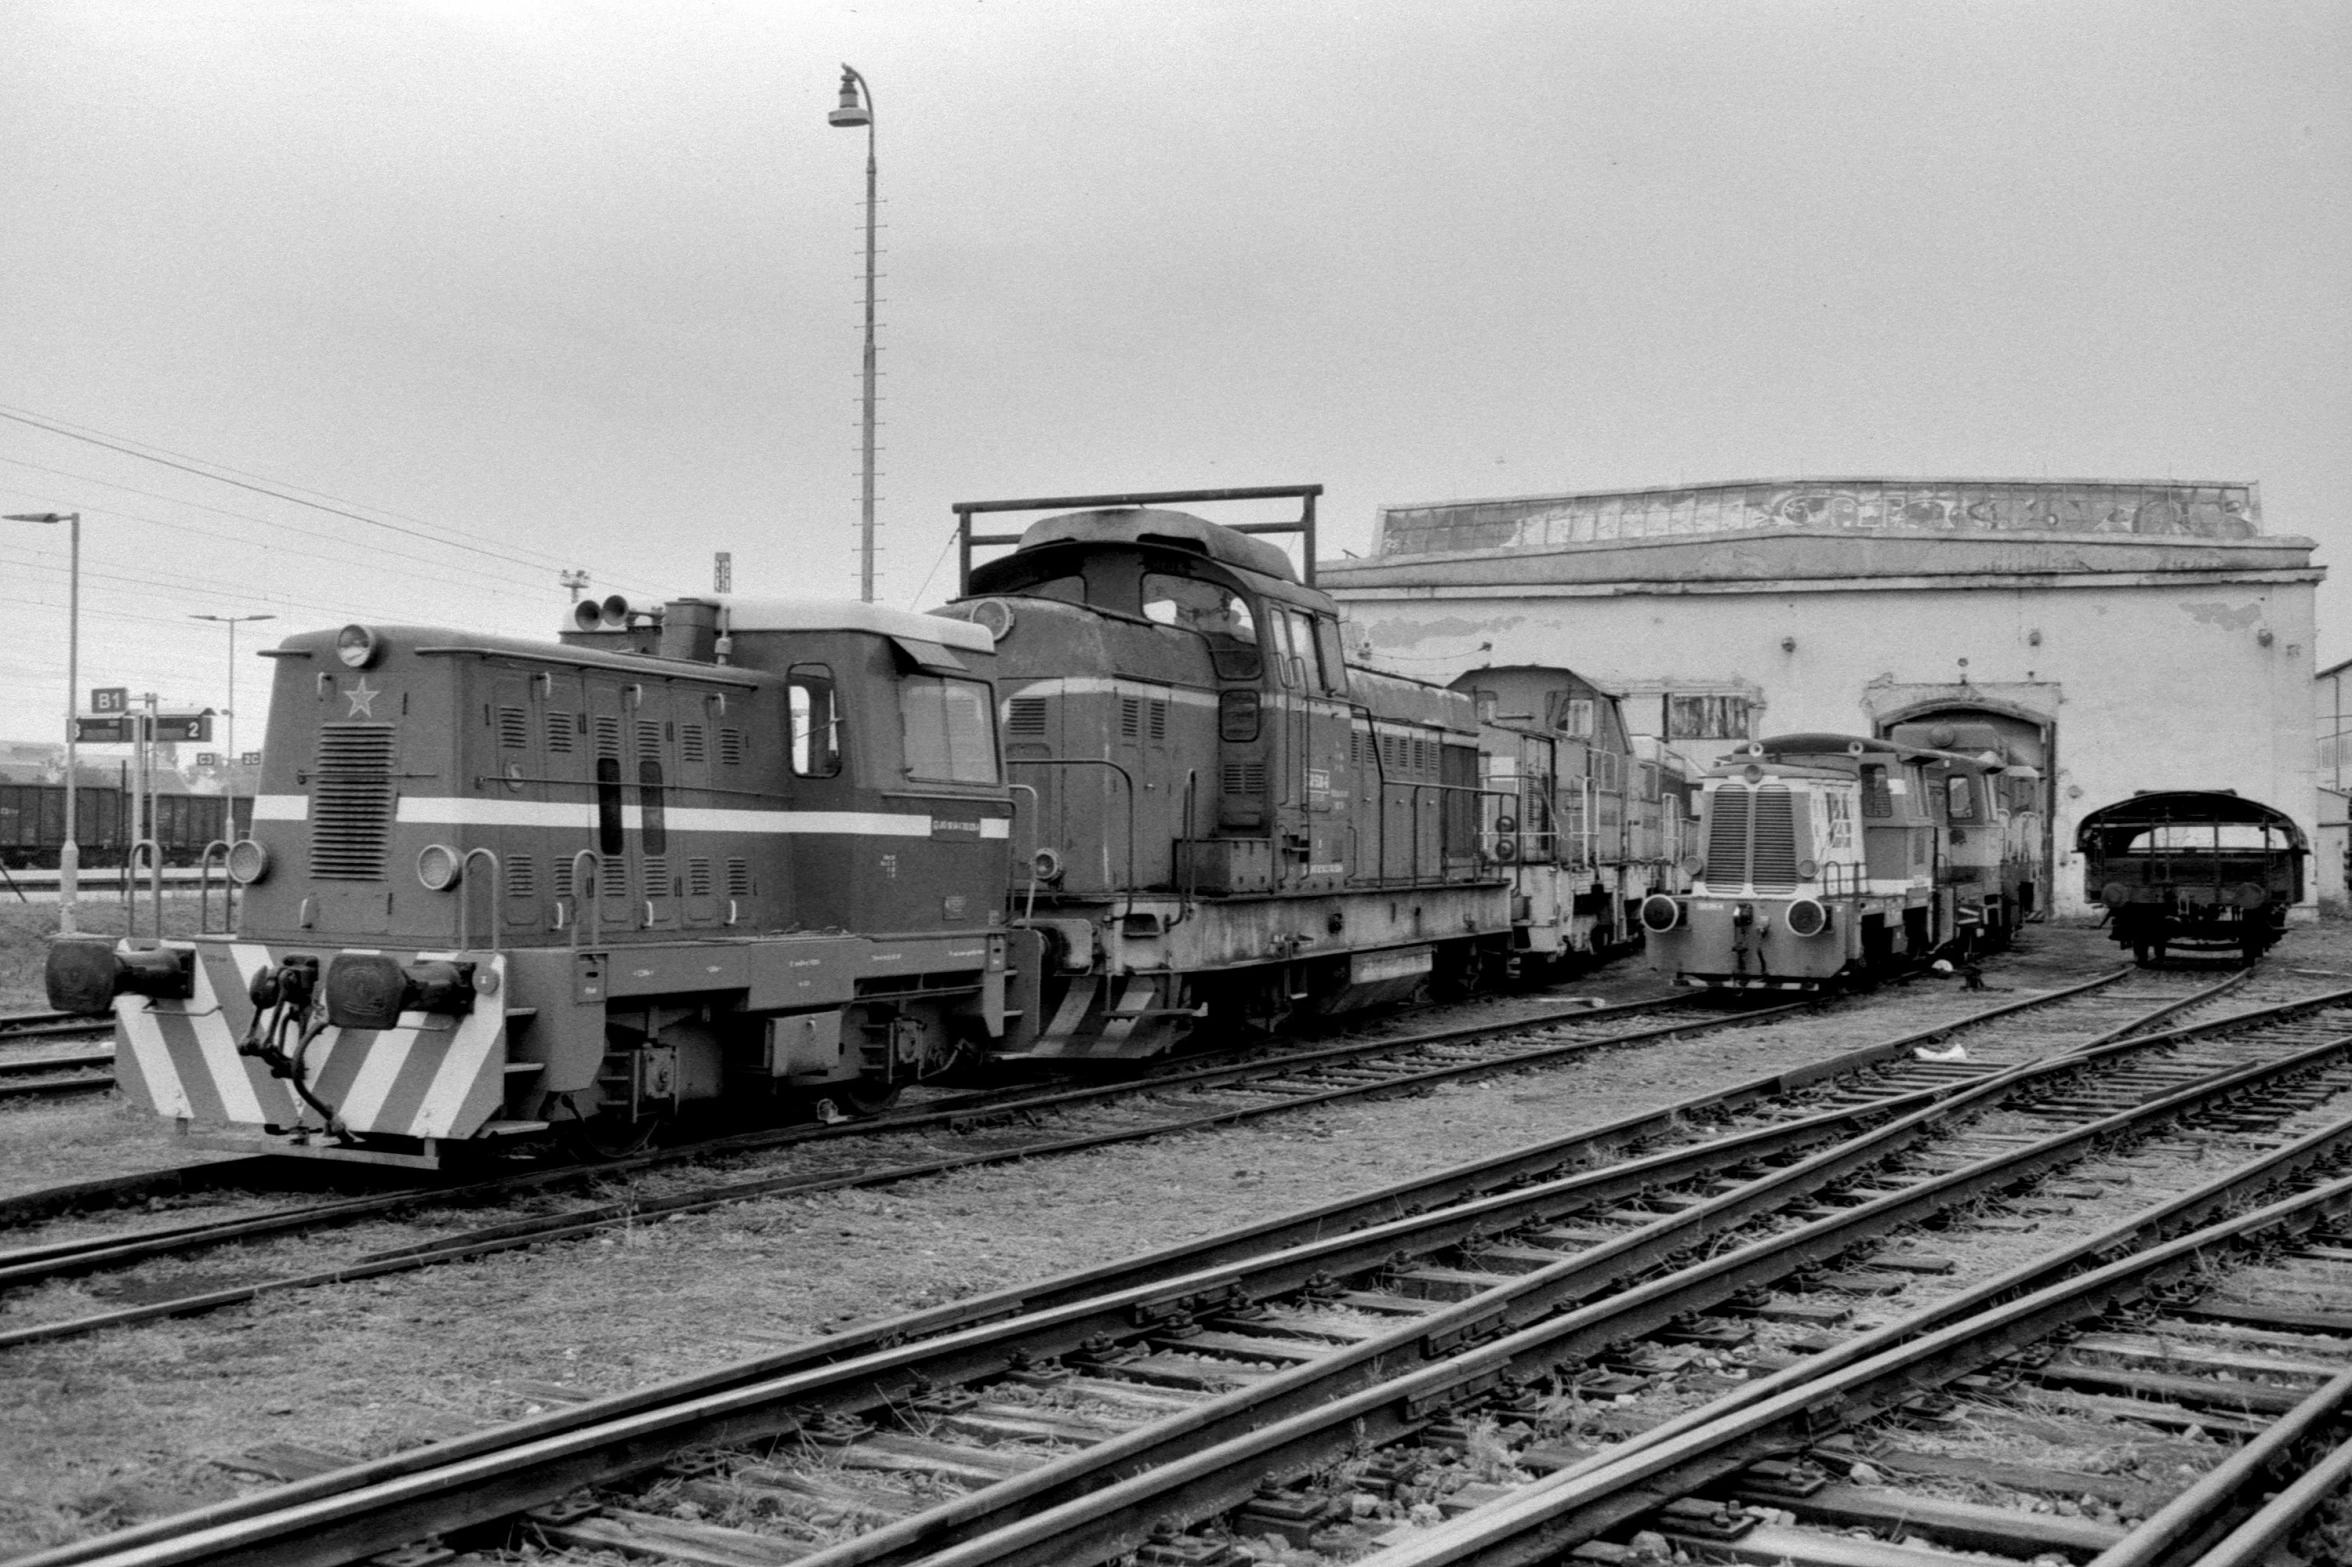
column 1026, row 718
column 608, row 736
column 1159, row 721
column 739, row 878
column 514, row 729
column 1245, row 777
column 560, row 728
column 731, row 747
column 351, row 802
column 563, row 878
column 657, row 878
column 522, row 877
column 690, row 742
column 1130, row 717
column 649, row 739
column 1727, row 837
column 698, row 877
column 1773, row 843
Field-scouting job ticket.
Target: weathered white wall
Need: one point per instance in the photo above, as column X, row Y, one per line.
column 2167, row 686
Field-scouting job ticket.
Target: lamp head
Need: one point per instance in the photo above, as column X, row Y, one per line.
column 852, row 112
column 44, row 516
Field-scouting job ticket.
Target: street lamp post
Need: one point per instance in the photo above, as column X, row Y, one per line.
column 857, row 108
column 69, row 854
column 230, row 712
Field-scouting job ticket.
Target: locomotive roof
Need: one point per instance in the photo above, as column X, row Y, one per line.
column 2188, row 805
column 766, row 614
column 1149, row 525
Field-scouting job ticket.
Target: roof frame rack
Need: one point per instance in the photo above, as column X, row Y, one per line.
column 1304, row 494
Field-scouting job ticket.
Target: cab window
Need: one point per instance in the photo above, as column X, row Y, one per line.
column 1961, row 800
column 1189, row 604
column 949, row 738
column 816, row 721
column 1877, row 798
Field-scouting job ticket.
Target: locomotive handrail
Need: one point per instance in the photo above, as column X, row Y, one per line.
column 1013, row 844
column 204, row 891
column 154, row 852
column 497, row 896
column 1125, row 777
column 594, row 864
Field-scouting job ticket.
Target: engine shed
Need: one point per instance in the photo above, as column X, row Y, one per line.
column 2118, row 636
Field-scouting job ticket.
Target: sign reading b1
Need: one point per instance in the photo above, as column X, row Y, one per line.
column 110, row 699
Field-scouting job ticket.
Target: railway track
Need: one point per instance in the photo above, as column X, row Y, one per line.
column 1162, row 1360
column 993, row 1126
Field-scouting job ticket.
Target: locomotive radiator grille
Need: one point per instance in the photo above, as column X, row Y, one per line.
column 690, row 745
column 1752, row 839
column 559, row 732
column 731, row 747
column 698, row 877
column 1245, row 778
column 1772, row 848
column 608, row 736
column 1026, row 717
column 514, row 729
column 351, row 802
column 522, row 876
column 739, row 878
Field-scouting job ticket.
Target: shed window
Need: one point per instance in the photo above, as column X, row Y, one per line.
column 949, row 736
column 1707, row 718
column 816, row 721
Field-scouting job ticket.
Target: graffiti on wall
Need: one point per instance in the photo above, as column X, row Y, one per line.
column 2209, row 511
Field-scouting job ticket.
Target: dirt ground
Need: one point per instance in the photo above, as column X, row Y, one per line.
column 128, row 1424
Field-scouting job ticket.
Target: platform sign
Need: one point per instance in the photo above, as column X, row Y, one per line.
column 249, row 759
column 110, row 699
column 122, row 729
column 208, row 759
column 103, row 731
column 183, row 726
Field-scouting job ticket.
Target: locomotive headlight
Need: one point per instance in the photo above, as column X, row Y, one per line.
column 1808, row 869
column 1661, row 913
column 248, row 862
column 439, row 867
column 1693, row 866
column 2114, row 893
column 1807, row 917
column 357, row 646
column 1046, row 865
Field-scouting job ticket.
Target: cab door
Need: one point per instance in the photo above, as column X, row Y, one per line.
column 1317, row 764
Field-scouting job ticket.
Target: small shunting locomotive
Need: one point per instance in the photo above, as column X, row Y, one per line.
column 1825, row 858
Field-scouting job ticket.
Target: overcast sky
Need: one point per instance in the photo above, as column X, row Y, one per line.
column 576, row 285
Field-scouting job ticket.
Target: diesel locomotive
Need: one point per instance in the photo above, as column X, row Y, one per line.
column 1825, row 858
column 1590, row 818
column 770, row 857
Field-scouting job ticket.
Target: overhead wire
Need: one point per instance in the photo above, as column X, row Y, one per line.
column 191, row 467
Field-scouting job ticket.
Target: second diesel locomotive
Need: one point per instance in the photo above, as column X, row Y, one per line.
column 740, row 853
column 1590, row 818
column 1830, row 857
